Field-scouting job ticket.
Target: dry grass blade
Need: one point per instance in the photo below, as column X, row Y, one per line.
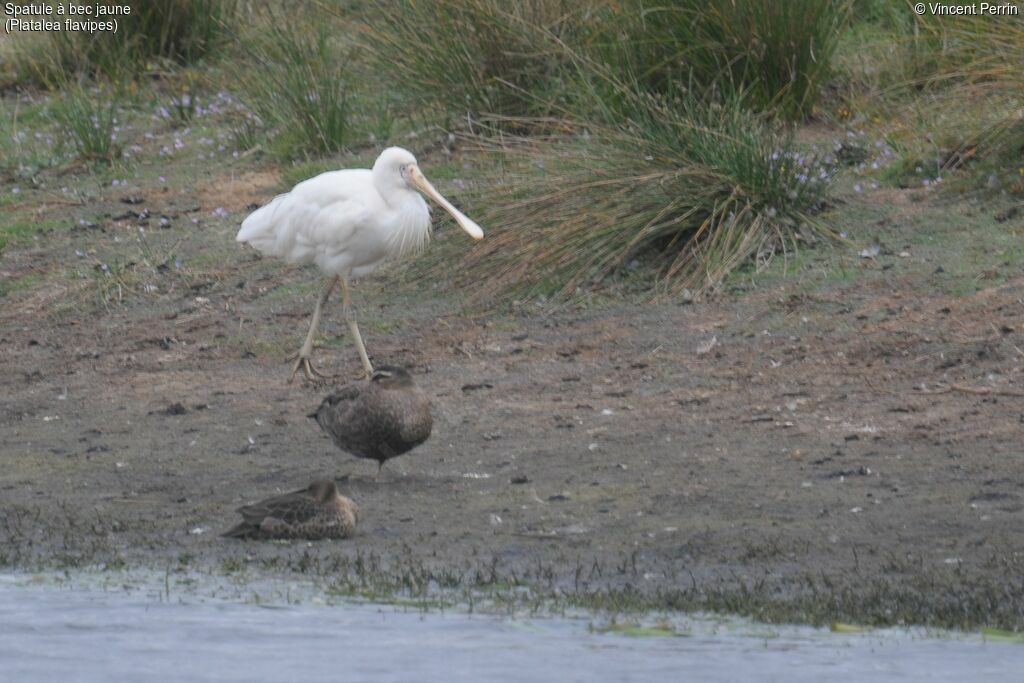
column 605, row 201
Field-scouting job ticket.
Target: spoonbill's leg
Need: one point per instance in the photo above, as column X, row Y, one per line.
column 302, row 358
column 353, row 328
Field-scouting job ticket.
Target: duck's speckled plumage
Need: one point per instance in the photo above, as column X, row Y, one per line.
column 313, row 513
column 380, row 419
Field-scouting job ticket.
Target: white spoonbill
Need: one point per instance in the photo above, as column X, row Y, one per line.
column 348, row 222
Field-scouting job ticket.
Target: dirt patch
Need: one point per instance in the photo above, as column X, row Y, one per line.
column 236, row 193
column 751, row 447
column 840, row 442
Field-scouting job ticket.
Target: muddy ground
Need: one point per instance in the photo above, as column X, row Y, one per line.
column 797, row 449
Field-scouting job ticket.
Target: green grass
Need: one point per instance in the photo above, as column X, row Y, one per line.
column 155, row 31
column 635, row 630
column 16, row 229
column 472, row 58
column 29, row 142
column 1001, row 635
column 302, row 91
column 693, row 190
column 947, row 89
column 15, row 285
column 89, row 116
column 679, row 170
column 515, row 63
column 774, row 56
column 954, row 247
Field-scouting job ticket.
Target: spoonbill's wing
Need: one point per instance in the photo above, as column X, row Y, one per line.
column 320, row 214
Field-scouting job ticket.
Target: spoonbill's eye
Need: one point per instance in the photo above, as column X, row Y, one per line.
column 401, row 169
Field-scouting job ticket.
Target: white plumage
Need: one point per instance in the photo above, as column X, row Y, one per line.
column 348, row 222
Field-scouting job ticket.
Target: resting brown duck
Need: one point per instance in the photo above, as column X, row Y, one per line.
column 313, row 513
column 380, row 419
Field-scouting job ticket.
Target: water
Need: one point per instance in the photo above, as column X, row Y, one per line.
column 87, row 633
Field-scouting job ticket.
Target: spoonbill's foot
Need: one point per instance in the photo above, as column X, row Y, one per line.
column 312, row 374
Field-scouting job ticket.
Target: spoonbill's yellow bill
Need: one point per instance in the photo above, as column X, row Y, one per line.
column 348, row 222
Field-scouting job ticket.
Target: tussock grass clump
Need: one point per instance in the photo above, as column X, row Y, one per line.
column 982, row 57
column 973, row 48
column 946, row 91
column 470, row 58
column 775, row 56
column 301, row 91
column 950, row 91
column 696, row 189
column 176, row 31
column 89, row 115
column 467, row 58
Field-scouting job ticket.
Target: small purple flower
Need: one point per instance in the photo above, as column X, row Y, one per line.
column 220, row 212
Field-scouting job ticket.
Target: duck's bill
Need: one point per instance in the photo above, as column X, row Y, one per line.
column 424, row 186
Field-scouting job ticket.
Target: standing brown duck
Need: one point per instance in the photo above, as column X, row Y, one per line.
column 313, row 513
column 379, row 419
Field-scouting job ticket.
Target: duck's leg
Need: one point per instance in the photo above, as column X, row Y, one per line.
column 353, row 328
column 302, row 357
